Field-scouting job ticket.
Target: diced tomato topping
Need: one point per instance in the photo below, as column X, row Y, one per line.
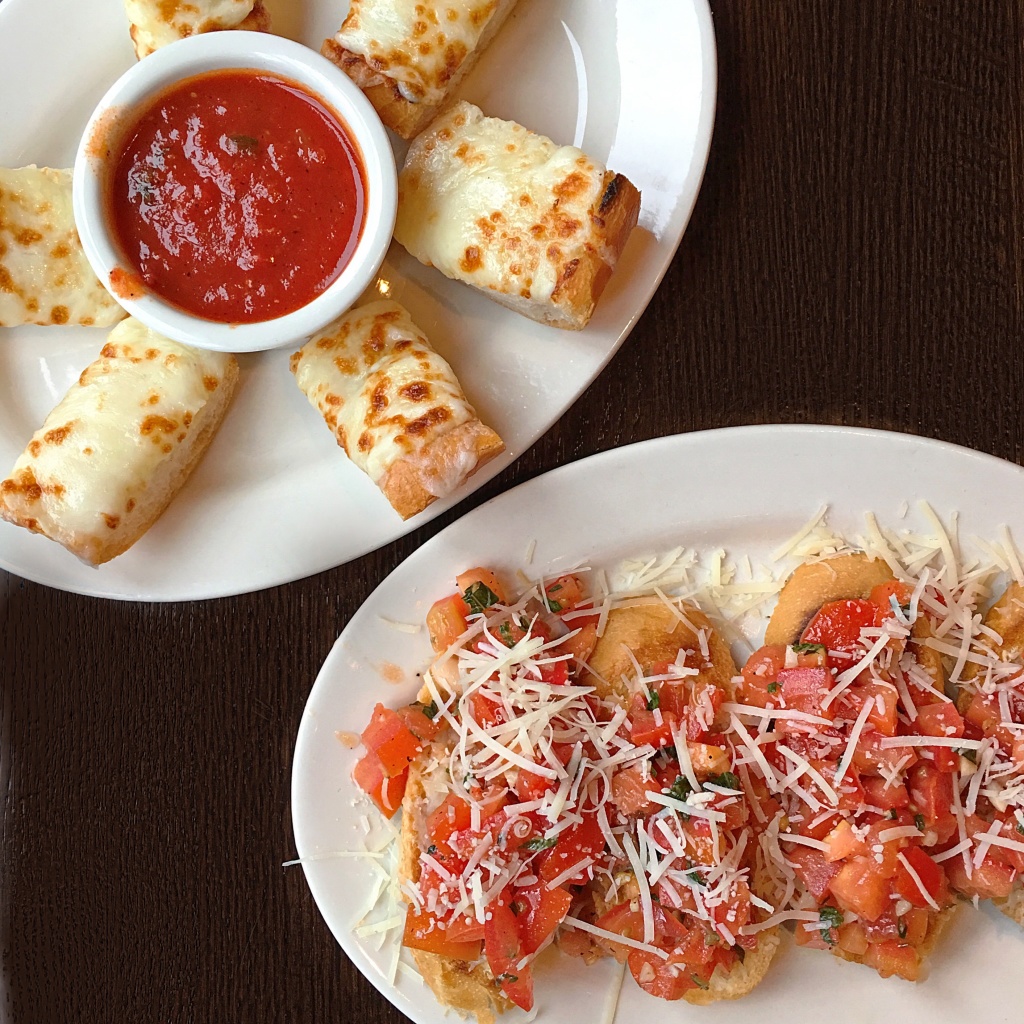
column 884, row 705
column 933, row 878
column 992, row 880
column 804, row 689
column 939, row 720
column 838, row 624
column 446, row 621
column 471, row 577
column 451, row 816
column 871, row 758
column 879, row 793
column 665, row 978
column 983, row 713
column 813, row 870
column 889, row 958
column 631, row 791
column 564, row 594
column 852, row 939
column 760, row 676
column 843, row 842
column 859, row 887
column 425, row 931
column 466, row 929
column 504, row 949
column 386, row 792
column 419, row 723
column 931, row 796
column 391, row 740
column 574, row 844
column 580, row 644
column 486, row 711
column 646, row 728
column 540, row 911
column 882, row 596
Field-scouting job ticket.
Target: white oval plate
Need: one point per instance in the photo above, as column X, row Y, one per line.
column 274, row 500
column 747, row 490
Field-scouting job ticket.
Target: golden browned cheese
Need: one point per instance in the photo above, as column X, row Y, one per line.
column 155, row 23
column 394, row 405
column 120, row 444
column 408, row 56
column 45, row 277
column 535, row 226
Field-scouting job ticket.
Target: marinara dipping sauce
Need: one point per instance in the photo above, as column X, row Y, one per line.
column 237, row 195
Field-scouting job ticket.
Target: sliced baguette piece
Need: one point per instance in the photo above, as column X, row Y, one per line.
column 851, row 577
column 1005, row 617
column 409, row 56
column 646, row 635
column 535, row 226
column 120, row 444
column 466, row 988
column 394, row 405
column 155, row 23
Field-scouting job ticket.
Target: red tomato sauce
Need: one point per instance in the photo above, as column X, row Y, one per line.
column 237, row 196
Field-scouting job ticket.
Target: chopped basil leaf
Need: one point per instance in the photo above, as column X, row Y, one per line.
column 892, row 814
column 773, row 687
column 695, row 876
column 681, row 788
column 430, row 710
column 1020, row 828
column 655, row 701
column 505, row 632
column 670, row 752
column 919, row 822
column 699, row 982
column 506, row 977
column 971, row 755
column 901, row 928
column 808, row 648
column 549, row 601
column 431, row 849
column 830, row 918
column 479, row 596
column 539, row 843
column 726, row 780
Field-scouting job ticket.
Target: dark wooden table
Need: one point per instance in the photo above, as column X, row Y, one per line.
column 854, row 258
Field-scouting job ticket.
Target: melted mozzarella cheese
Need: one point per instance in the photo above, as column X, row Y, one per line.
column 419, row 45
column 383, row 390
column 44, row 275
column 492, row 204
column 88, row 471
column 155, row 23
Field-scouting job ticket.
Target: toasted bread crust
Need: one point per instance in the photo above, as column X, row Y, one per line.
column 401, row 115
column 816, row 583
column 652, row 633
column 468, row 988
column 163, row 487
column 1006, row 617
column 407, row 484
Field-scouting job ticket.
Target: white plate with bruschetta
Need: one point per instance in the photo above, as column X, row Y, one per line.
column 737, row 509
column 275, row 499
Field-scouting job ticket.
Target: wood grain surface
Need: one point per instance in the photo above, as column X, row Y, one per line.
column 854, row 257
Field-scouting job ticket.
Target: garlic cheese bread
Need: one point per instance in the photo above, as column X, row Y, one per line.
column 155, row 23
column 409, row 55
column 120, row 444
column 45, row 277
column 394, row 405
column 533, row 225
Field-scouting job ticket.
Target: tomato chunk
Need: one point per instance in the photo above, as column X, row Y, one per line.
column 425, row 931
column 385, row 791
column 837, row 625
column 574, row 845
column 932, row 877
column 471, row 577
column 804, row 689
column 446, row 621
column 760, row 676
column 859, row 887
column 540, row 911
column 504, row 950
column 889, row 958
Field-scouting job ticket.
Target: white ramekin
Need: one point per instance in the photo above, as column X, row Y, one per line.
column 263, row 52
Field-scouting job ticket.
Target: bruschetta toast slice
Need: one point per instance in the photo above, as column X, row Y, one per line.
column 991, row 700
column 845, row 725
